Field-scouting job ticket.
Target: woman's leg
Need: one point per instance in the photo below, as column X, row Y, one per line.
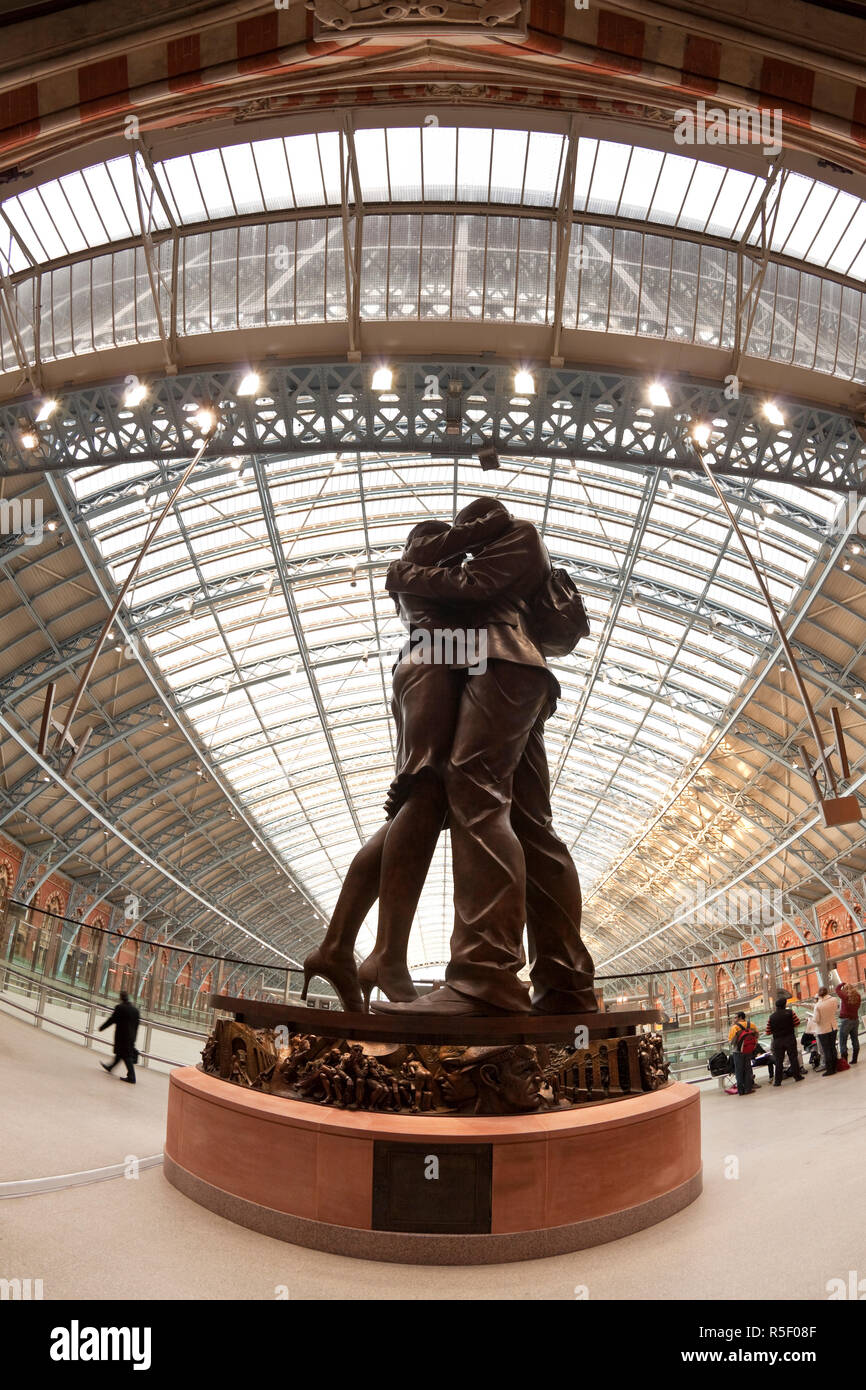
column 334, row 958
column 407, row 851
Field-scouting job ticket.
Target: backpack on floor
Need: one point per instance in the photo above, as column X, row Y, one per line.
column 719, row 1064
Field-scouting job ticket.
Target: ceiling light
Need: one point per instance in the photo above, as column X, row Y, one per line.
column 46, row 410
column 383, row 378
column 658, row 395
column 134, row 394
column 29, row 440
column 846, row 564
column 773, row 413
column 206, row 420
column 701, row 435
column 52, row 526
column 249, row 384
column 524, row 382
column 856, row 548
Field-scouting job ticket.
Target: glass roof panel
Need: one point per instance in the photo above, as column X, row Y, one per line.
column 411, row 164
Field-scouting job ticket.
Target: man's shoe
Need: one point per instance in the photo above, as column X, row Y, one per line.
column 128, row 1079
column 445, row 1001
column 106, row 1066
column 553, row 1003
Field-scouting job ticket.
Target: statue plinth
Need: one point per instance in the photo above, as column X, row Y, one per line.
column 431, row 1189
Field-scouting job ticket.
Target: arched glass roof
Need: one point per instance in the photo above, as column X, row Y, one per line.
column 280, row 655
column 458, row 224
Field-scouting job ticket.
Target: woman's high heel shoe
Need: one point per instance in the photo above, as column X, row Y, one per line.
column 395, row 982
column 341, row 975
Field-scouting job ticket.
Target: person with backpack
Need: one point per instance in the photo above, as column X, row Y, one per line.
column 507, row 578
column 392, row 865
column 780, row 1026
column 849, row 1022
column 743, row 1038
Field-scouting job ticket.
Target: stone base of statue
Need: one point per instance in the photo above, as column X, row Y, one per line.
column 430, row 1188
column 445, row 1151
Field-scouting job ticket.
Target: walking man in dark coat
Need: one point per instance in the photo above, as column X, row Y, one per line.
column 125, row 1020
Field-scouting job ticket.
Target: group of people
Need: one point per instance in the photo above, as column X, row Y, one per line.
column 834, row 1016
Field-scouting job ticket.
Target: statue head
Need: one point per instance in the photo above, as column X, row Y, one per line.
column 507, row 1079
column 482, row 507
column 433, row 527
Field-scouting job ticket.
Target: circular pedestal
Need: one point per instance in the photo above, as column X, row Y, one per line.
column 427, row 1189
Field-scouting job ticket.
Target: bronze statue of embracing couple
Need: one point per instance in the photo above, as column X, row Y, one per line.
column 470, row 718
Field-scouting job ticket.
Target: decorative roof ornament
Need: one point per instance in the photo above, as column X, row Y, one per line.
column 405, row 16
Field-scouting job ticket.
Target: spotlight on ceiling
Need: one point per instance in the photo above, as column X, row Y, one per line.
column 701, row 435
column 46, row 410
column 383, row 379
column 134, row 393
column 28, row 440
column 524, row 382
column 658, row 395
column 773, row 414
column 488, row 457
column 250, row 384
column 205, row 420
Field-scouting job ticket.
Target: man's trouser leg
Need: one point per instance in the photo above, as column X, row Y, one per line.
column 827, row 1042
column 130, row 1069
column 740, row 1065
column 560, row 966
column 497, row 712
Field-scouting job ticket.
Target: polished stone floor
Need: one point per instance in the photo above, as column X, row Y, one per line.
column 784, row 1171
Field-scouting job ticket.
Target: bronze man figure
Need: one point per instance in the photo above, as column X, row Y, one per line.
column 501, row 714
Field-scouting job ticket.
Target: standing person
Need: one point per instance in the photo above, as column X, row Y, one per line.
column 849, row 1021
column 125, row 1019
column 823, row 1025
column 744, row 1039
column 502, row 709
column 780, row 1026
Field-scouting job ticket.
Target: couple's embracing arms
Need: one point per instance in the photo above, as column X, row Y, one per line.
column 508, row 558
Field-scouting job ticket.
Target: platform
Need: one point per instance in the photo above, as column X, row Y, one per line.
column 427, row 1028
column 426, row 1189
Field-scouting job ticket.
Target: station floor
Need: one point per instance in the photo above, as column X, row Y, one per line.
column 783, row 1209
